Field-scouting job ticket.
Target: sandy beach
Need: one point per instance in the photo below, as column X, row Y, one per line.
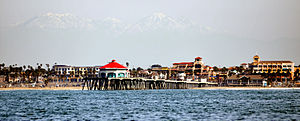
column 202, row 88
column 245, row 88
column 44, row 88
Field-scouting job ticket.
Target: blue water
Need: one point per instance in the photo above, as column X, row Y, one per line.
column 151, row 105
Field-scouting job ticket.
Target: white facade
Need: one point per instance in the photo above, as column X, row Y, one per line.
column 114, row 73
column 113, row 70
column 60, row 69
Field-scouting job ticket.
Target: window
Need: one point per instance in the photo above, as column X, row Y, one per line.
column 197, row 66
column 110, row 75
column 103, row 75
column 121, row 75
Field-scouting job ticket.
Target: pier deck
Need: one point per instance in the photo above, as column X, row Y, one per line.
column 137, row 84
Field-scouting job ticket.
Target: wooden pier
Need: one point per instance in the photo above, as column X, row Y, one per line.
column 136, row 84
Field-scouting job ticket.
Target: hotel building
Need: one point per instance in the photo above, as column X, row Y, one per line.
column 261, row 67
column 191, row 70
column 76, row 70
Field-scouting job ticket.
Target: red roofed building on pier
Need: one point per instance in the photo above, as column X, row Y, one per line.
column 113, row 70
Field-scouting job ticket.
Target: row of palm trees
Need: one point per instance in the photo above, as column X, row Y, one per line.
column 30, row 74
column 24, row 73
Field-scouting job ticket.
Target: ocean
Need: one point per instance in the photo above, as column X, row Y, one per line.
column 283, row 104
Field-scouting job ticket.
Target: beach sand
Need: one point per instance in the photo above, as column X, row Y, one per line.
column 202, row 88
column 245, row 88
column 44, row 88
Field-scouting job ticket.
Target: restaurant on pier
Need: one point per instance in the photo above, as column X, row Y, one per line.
column 114, row 70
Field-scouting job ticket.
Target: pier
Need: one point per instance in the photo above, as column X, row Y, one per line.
column 137, row 84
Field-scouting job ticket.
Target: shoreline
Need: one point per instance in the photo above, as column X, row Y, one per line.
column 44, row 88
column 245, row 88
column 200, row 88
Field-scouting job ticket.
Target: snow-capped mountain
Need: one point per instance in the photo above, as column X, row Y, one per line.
column 112, row 25
column 58, row 21
column 157, row 22
column 162, row 22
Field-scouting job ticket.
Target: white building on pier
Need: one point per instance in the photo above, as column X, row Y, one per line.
column 114, row 70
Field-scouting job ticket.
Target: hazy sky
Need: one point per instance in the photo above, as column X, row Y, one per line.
column 240, row 28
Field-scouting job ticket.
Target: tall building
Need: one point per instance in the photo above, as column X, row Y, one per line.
column 191, row 70
column 261, row 67
column 76, row 70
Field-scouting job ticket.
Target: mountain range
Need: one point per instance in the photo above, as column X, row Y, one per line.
column 157, row 22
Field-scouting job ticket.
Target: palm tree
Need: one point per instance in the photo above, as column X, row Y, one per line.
column 48, row 72
column 94, row 72
column 79, row 73
column 2, row 65
column 72, row 74
column 48, row 66
column 277, row 74
column 64, row 74
column 133, row 72
column 288, row 74
column 215, row 68
column 86, row 73
column 268, row 75
column 59, row 75
column 127, row 64
column 296, row 75
column 38, row 71
column 224, row 69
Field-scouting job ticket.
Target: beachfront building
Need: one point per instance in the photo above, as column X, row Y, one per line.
column 244, row 65
column 245, row 80
column 297, row 75
column 191, row 70
column 61, row 69
column 76, row 70
column 160, row 72
column 283, row 68
column 113, row 70
column 75, row 73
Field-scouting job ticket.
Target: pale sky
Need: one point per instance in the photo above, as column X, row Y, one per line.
column 237, row 30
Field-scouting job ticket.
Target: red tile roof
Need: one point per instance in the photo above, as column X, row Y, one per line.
column 183, row 63
column 198, row 58
column 275, row 62
column 113, row 65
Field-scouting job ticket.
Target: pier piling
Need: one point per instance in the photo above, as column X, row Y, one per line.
column 134, row 84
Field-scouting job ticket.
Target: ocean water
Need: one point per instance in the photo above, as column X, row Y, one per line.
column 150, row 105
